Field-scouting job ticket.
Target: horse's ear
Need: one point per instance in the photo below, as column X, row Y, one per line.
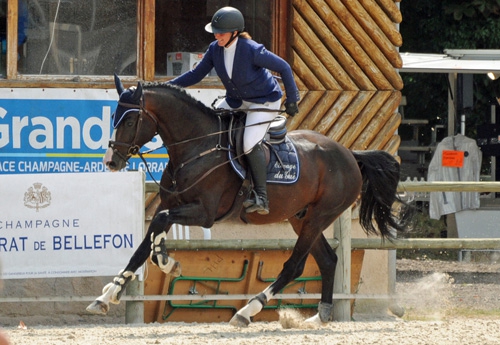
column 136, row 97
column 119, row 85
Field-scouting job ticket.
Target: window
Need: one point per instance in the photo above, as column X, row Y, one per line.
column 180, row 27
column 100, row 37
column 65, row 37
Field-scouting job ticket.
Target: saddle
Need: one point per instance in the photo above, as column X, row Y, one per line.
column 281, row 155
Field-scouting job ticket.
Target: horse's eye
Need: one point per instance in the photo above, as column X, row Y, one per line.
column 131, row 121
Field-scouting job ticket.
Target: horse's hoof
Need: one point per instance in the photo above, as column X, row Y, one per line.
column 397, row 310
column 239, row 321
column 325, row 312
column 98, row 307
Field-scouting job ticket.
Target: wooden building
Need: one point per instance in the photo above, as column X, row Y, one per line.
column 344, row 53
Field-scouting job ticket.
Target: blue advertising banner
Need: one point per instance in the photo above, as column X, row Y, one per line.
column 67, row 131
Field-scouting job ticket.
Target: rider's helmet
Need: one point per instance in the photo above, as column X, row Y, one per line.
column 227, row 19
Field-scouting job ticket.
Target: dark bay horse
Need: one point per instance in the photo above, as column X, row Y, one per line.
column 199, row 187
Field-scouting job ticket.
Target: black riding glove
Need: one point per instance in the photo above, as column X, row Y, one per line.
column 291, row 108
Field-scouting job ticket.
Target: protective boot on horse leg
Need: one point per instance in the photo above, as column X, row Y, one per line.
column 158, row 236
column 159, row 255
column 111, row 293
column 258, row 201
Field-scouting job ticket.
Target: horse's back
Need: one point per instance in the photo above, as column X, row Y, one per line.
column 310, row 143
column 325, row 161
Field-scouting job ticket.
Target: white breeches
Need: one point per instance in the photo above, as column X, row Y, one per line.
column 255, row 133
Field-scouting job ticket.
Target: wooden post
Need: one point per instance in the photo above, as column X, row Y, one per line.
column 393, row 306
column 12, row 14
column 342, row 284
column 134, row 310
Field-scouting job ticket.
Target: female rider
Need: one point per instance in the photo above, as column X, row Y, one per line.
column 244, row 68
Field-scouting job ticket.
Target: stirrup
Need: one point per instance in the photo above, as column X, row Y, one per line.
column 261, row 206
column 251, row 200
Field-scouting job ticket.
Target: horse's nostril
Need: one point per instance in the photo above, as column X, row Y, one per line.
column 111, row 164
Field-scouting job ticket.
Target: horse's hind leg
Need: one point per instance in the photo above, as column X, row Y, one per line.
column 292, row 269
column 326, row 260
column 156, row 234
column 255, row 305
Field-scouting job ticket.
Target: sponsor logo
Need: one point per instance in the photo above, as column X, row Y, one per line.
column 38, row 196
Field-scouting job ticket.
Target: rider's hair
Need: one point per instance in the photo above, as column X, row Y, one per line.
column 245, row 34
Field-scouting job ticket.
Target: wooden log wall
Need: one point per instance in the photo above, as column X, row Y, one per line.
column 345, row 59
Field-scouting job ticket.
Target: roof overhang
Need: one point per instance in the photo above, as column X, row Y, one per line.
column 453, row 61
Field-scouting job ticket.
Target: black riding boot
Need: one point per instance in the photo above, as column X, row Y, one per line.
column 258, row 201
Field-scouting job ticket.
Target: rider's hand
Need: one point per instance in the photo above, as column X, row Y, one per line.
column 291, row 108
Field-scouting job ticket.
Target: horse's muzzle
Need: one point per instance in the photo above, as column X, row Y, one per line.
column 113, row 161
column 112, row 166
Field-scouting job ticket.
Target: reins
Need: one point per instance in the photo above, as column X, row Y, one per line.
column 227, row 112
column 174, row 183
column 135, row 150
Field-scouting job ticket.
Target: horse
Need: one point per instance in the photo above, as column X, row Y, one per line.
column 199, row 187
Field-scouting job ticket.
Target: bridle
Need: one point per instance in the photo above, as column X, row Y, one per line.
column 133, row 148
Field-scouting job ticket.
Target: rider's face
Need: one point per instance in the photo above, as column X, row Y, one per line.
column 223, row 38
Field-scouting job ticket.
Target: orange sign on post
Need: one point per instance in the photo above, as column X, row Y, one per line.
column 453, row 159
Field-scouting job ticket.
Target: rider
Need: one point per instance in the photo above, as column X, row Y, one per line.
column 244, row 68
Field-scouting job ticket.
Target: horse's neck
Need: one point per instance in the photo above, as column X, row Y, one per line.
column 188, row 127
column 184, row 127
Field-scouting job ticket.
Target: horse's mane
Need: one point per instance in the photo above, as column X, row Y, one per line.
column 179, row 93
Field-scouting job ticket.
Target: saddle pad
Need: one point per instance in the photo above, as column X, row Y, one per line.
column 287, row 173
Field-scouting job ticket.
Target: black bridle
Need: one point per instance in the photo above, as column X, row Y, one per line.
column 133, row 148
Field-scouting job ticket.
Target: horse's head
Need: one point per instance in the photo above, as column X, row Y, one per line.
column 134, row 127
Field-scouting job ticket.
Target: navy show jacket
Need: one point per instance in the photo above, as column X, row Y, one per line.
column 252, row 80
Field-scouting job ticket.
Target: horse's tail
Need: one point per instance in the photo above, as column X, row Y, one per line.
column 380, row 171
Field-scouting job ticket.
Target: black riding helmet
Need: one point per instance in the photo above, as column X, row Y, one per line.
column 227, row 19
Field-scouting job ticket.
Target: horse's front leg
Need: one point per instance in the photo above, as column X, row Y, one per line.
column 153, row 244
column 193, row 213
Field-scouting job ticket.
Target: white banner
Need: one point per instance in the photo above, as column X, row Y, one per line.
column 69, row 225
